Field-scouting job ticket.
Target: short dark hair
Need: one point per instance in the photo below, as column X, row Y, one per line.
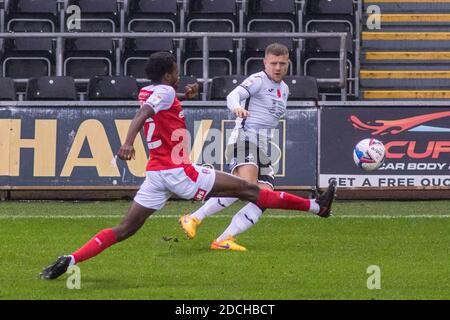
column 277, row 49
column 159, row 64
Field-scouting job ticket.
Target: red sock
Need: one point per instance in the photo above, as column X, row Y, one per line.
column 97, row 244
column 282, row 200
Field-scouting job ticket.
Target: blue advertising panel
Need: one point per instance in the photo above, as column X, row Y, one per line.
column 75, row 146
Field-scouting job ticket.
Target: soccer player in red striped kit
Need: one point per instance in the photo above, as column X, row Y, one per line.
column 169, row 170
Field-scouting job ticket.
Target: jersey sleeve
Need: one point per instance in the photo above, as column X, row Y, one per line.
column 161, row 99
column 287, row 93
column 252, row 84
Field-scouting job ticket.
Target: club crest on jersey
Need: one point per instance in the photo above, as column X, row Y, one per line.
column 155, row 99
column 181, row 114
column 200, row 195
column 278, row 93
column 248, row 83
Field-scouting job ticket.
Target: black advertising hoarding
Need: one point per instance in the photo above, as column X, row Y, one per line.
column 417, row 141
column 75, row 146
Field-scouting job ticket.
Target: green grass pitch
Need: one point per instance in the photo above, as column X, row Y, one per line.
column 290, row 255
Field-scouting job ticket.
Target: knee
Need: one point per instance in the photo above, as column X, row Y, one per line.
column 250, row 191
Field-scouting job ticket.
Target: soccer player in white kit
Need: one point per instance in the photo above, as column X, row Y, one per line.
column 258, row 103
column 169, row 170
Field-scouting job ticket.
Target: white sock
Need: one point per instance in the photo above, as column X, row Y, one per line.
column 314, row 206
column 72, row 261
column 213, row 206
column 242, row 221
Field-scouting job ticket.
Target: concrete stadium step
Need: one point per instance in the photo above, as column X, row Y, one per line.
column 406, row 94
column 405, row 36
column 405, row 40
column 405, row 79
column 405, row 74
column 401, row 84
column 405, row 66
column 409, row 6
column 406, row 56
column 408, row 22
column 415, row 18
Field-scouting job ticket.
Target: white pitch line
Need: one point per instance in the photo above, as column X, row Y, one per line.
column 300, row 216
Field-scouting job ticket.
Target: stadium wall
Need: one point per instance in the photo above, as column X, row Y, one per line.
column 61, row 150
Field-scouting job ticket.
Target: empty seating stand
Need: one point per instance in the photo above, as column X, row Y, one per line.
column 409, row 58
column 268, row 16
column 88, row 57
column 29, row 57
column 302, row 88
column 222, row 86
column 51, row 88
column 7, row 90
column 148, row 16
column 211, row 16
column 321, row 55
column 113, row 88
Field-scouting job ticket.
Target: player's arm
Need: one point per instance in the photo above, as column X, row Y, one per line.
column 234, row 99
column 249, row 87
column 190, row 92
column 126, row 151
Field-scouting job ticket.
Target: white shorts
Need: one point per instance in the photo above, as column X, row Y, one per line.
column 192, row 182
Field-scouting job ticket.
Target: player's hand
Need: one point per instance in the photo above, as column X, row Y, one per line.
column 241, row 112
column 191, row 91
column 126, row 152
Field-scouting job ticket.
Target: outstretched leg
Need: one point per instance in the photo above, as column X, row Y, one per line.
column 132, row 222
column 227, row 185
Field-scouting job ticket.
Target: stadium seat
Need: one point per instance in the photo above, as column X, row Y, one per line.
column 214, row 44
column 218, row 66
column 113, row 88
column 148, row 16
column 212, row 7
column 89, row 57
column 30, row 25
column 222, row 86
column 221, row 50
column 135, row 63
column 255, row 47
column 272, row 7
column 135, row 67
column 162, row 12
column 185, row 80
column 51, row 88
column 96, row 6
column 7, row 90
column 332, row 7
column 302, row 88
column 212, row 16
column 326, row 68
column 328, row 45
column 32, row 16
column 98, row 9
column 33, row 7
column 24, row 66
